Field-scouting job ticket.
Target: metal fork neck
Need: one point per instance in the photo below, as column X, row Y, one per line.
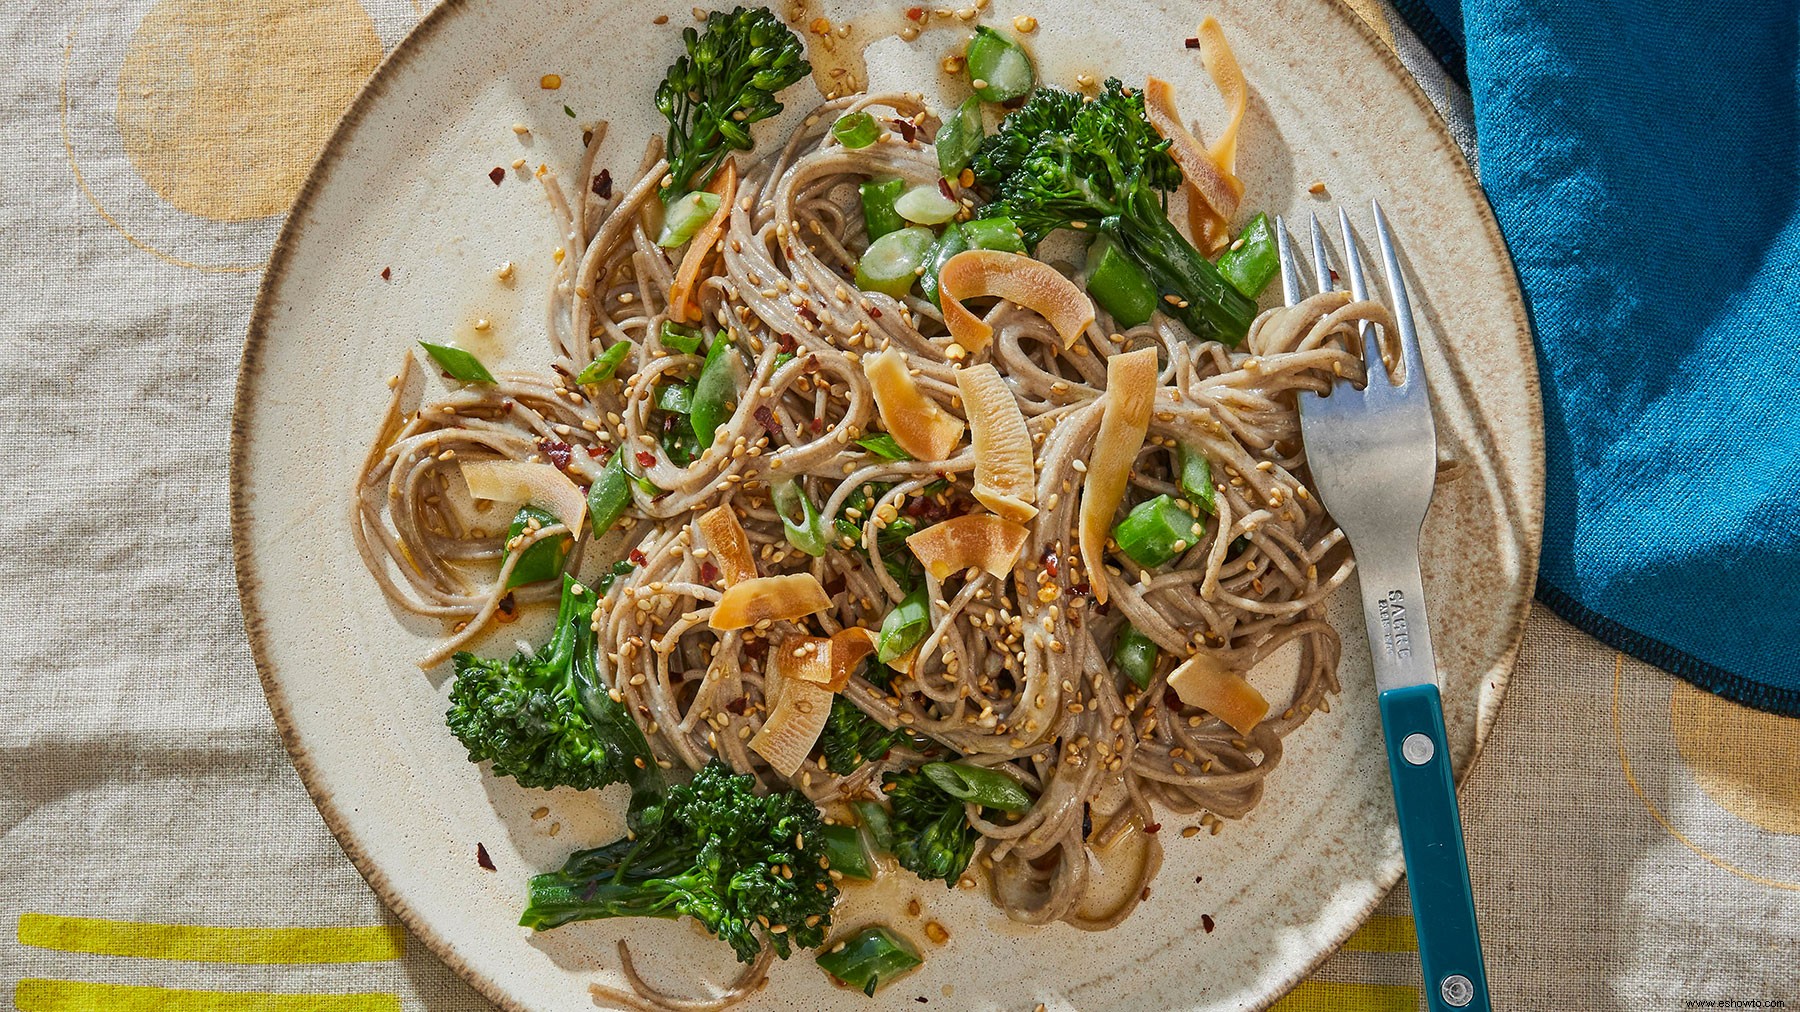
column 1394, row 612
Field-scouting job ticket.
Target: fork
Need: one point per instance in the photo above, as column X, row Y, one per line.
column 1373, row 455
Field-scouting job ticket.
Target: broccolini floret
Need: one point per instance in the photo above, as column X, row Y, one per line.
column 727, row 81
column 852, row 737
column 932, row 835
column 750, row 869
column 1062, row 161
column 545, row 718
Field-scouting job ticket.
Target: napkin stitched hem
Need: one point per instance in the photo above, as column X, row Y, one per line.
column 1713, row 679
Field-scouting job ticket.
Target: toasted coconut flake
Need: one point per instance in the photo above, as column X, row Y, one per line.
column 1124, row 420
column 1203, row 682
column 801, row 707
column 684, row 306
column 917, row 423
column 729, row 545
column 1005, row 479
column 979, row 539
column 978, row 273
column 777, row 598
column 1213, row 194
column 849, row 648
column 517, row 481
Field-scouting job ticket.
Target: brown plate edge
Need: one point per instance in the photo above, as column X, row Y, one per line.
column 249, row 372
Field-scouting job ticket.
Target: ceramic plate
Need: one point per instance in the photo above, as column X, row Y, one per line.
column 404, row 187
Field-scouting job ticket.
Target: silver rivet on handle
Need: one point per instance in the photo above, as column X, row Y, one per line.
column 1456, row 989
column 1417, row 749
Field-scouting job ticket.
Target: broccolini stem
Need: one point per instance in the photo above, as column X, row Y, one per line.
column 1213, row 308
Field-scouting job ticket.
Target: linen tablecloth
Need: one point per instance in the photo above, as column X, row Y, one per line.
column 1635, row 843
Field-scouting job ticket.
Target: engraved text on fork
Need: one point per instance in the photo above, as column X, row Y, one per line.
column 1394, row 638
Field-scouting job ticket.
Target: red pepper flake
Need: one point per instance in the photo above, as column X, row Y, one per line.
column 603, row 185
column 1081, row 590
column 1050, row 563
column 1191, row 42
column 506, row 609
column 1334, row 274
column 766, row 418
column 498, row 175
column 818, row 425
column 905, row 129
column 915, row 14
column 708, row 572
column 558, row 451
column 387, row 274
column 637, row 557
column 807, row 314
column 646, row 459
column 786, row 344
column 811, row 365
column 1144, row 895
column 600, row 453
column 875, row 312
column 944, row 188
column 482, row 858
column 1206, row 920
column 1153, row 828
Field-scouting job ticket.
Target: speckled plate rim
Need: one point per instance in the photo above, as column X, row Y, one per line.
column 416, row 46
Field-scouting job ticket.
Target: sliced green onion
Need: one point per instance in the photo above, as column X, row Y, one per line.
column 999, row 68
column 678, row 441
column 808, row 535
column 958, row 138
column 604, row 585
column 869, row 959
column 979, row 785
column 999, row 233
column 676, row 337
column 610, row 494
column 857, row 130
column 926, row 205
column 783, row 358
column 882, row 445
column 540, row 561
column 876, row 824
column 1196, row 478
column 1155, row 532
column 844, row 849
column 1134, row 654
column 676, row 398
column 1252, row 261
column 604, row 364
column 1119, row 285
column 686, row 216
column 904, row 627
column 715, row 392
column 891, row 263
column 461, row 365
column 879, row 216
column 952, row 242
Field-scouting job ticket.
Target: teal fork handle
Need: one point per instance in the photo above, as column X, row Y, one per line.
column 1437, row 868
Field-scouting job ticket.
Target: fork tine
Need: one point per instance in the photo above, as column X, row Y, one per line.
column 1403, row 315
column 1290, row 272
column 1359, row 289
column 1321, row 258
column 1359, row 284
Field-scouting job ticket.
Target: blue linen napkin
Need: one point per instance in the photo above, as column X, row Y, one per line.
column 1641, row 158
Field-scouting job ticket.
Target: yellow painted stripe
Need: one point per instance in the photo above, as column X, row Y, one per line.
column 1382, row 933
column 1332, row 996
column 35, row 995
column 192, row 943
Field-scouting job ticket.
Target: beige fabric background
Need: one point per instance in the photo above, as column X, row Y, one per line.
column 1636, row 844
